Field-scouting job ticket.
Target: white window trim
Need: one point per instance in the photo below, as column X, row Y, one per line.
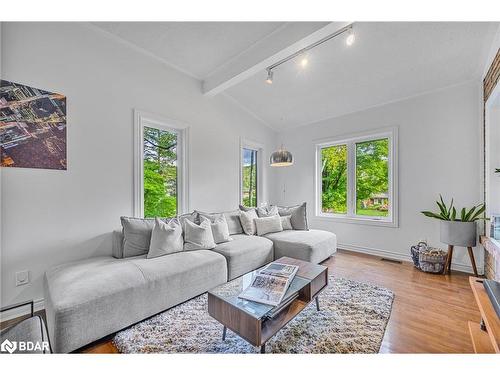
column 393, row 219
column 248, row 144
column 144, row 119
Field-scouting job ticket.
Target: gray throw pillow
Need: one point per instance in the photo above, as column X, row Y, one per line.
column 192, row 217
column 247, row 221
column 232, row 219
column 286, row 222
column 267, row 211
column 220, row 229
column 198, row 237
column 270, row 224
column 136, row 235
column 166, row 238
column 298, row 215
column 233, row 222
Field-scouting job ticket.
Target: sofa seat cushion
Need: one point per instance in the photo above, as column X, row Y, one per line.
column 173, row 277
column 90, row 299
column 245, row 253
column 310, row 245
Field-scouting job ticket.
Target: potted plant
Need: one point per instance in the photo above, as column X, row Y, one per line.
column 457, row 228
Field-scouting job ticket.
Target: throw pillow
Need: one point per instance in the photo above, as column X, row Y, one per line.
column 192, row 217
column 198, row 237
column 166, row 238
column 298, row 215
column 232, row 219
column 267, row 211
column 286, row 222
column 136, row 235
column 220, row 229
column 247, row 221
column 268, row 224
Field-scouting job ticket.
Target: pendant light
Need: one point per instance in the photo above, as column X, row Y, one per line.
column 281, row 158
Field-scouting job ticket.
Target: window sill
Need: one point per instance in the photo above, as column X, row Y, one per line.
column 357, row 220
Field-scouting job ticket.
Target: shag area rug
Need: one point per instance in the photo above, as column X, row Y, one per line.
column 352, row 319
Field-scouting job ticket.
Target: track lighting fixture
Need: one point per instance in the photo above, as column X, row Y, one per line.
column 304, row 61
column 269, row 76
column 351, row 38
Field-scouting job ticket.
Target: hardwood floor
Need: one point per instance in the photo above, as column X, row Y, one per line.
column 429, row 314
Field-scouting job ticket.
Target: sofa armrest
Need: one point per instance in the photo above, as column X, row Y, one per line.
column 118, row 244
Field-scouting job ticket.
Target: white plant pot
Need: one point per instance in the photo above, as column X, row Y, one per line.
column 458, row 233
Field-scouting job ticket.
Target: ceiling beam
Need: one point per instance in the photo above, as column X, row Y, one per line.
column 287, row 40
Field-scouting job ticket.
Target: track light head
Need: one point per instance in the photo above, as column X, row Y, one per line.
column 269, row 77
column 304, row 61
column 351, row 38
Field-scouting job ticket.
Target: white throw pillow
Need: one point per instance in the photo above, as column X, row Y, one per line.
column 247, row 221
column 166, row 238
column 286, row 222
column 198, row 237
column 268, row 224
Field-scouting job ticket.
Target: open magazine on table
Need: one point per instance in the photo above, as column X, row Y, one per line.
column 270, row 284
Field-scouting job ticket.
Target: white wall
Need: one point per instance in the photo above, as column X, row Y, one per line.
column 51, row 217
column 495, row 45
column 439, row 152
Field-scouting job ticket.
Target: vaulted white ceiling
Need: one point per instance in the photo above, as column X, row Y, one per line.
column 197, row 48
column 388, row 62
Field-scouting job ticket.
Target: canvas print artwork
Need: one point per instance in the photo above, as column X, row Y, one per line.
column 32, row 127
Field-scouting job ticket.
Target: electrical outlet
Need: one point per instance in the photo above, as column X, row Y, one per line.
column 22, row 278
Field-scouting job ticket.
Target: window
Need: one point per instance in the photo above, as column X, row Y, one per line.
column 160, row 172
column 249, row 177
column 356, row 179
column 250, row 174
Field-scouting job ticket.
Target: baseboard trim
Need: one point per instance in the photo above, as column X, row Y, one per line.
column 398, row 256
column 23, row 310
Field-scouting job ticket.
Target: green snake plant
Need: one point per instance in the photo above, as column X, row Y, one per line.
column 450, row 213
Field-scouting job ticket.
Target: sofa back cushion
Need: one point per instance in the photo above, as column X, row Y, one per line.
column 298, row 215
column 270, row 224
column 166, row 238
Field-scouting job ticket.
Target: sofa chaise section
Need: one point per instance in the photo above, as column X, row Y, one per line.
column 245, row 253
column 309, row 245
column 90, row 299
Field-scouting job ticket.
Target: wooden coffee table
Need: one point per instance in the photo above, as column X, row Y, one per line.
column 257, row 322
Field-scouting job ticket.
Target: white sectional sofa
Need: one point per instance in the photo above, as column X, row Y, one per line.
column 90, row 299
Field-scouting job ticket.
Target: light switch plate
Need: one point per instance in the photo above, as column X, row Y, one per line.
column 22, row 278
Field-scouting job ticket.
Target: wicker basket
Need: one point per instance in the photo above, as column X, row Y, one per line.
column 432, row 260
column 415, row 253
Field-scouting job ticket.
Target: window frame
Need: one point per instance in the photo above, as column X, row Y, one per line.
column 251, row 145
column 350, row 140
column 141, row 120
